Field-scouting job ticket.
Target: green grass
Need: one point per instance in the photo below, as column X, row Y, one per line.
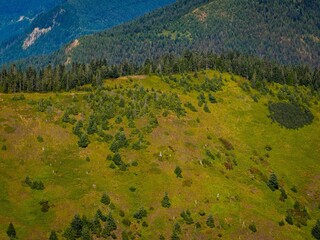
column 73, row 185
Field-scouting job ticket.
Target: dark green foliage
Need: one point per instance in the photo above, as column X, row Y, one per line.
column 210, row 222
column 186, row 215
column 11, row 232
column 77, row 226
column 40, row 139
column 83, row 141
column 209, row 154
column 19, row 97
column 298, row 215
column 86, row 233
column 92, row 125
column 53, row 236
column 121, row 213
column 132, row 189
column 253, row 227
column 202, row 213
column 206, row 108
column 77, row 128
column 283, row 195
column 140, row 214
column 118, row 120
column 165, row 201
column 273, row 182
column 198, row 225
column 289, row 219
column 212, row 99
column 4, row 147
column 178, row 172
column 110, row 226
column 36, row 185
column 120, row 141
column 99, row 215
column 294, row 189
column 117, row 160
column 105, row 199
column 161, row 237
column 290, row 115
column 190, row 106
column 281, row 223
column 44, row 206
column 316, row 230
column 145, row 224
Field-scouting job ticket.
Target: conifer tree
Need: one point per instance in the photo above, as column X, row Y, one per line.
column 105, row 199
column 53, row 236
column 83, row 141
column 166, row 201
column 178, row 172
column 210, row 222
column 11, row 232
column 273, row 182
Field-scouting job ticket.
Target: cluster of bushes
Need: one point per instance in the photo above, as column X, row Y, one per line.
column 290, row 115
column 37, row 185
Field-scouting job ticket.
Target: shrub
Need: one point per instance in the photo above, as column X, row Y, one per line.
column 105, row 199
column 83, row 141
column 40, row 139
column 253, row 227
column 11, row 232
column 178, row 172
column 291, row 116
column 210, row 222
column 273, row 182
column 316, row 230
column 44, row 206
column 165, row 201
column 186, row 215
column 281, row 223
column 140, row 214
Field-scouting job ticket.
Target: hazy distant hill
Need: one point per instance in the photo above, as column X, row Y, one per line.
column 286, row 31
column 43, row 28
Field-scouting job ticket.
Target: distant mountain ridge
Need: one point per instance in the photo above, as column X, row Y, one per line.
column 285, row 31
column 63, row 21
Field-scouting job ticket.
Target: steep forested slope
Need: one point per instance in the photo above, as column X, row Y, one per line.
column 286, row 31
column 64, row 22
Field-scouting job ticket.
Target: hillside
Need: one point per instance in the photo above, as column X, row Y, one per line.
column 192, row 156
column 43, row 28
column 284, row 31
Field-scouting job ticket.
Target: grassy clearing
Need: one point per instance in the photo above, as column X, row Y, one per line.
column 235, row 198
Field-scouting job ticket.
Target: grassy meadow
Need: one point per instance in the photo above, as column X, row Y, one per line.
column 226, row 155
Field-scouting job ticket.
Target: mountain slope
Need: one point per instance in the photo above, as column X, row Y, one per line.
column 140, row 128
column 285, row 31
column 52, row 28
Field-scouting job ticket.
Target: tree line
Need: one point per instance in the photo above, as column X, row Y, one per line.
column 67, row 77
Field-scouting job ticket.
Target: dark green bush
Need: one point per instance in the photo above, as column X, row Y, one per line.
column 290, row 115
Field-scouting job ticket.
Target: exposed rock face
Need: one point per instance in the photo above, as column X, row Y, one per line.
column 32, row 38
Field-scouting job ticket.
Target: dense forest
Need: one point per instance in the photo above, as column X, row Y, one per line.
column 285, row 31
column 65, row 78
column 62, row 22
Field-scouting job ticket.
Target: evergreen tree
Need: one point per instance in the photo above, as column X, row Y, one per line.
column 92, row 126
column 210, row 222
column 77, row 128
column 178, row 172
column 86, row 234
column 11, row 232
column 53, row 236
column 83, row 141
column 105, row 199
column 166, row 201
column 273, row 182
column 77, row 225
column 316, row 230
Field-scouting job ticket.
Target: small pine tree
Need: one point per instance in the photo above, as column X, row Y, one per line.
column 83, row 141
column 53, row 236
column 11, row 232
column 105, row 199
column 77, row 225
column 178, row 172
column 166, row 201
column 86, row 234
column 77, row 128
column 316, row 230
column 210, row 222
column 253, row 227
column 273, row 182
column 206, row 108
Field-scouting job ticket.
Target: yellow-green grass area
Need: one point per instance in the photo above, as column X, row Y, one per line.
column 75, row 186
